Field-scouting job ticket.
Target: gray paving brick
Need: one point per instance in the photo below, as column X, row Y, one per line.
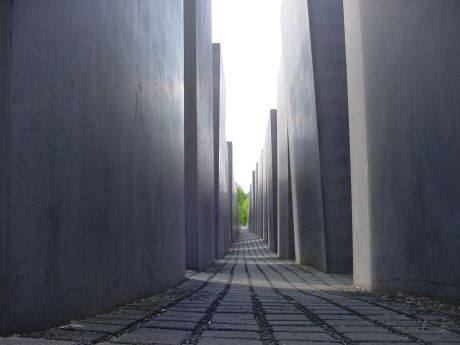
column 321, row 308
column 382, row 336
column 231, row 334
column 303, row 336
column 153, row 335
column 220, row 341
column 32, row 341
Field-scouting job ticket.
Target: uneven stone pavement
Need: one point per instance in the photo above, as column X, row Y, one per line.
column 253, row 298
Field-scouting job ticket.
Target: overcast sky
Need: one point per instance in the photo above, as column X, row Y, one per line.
column 249, row 33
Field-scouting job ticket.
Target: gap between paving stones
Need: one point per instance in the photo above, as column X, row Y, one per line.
column 203, row 324
column 308, row 313
column 265, row 329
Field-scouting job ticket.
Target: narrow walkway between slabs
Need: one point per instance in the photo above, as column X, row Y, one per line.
column 251, row 298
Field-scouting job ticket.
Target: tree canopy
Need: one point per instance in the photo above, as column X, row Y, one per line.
column 242, row 204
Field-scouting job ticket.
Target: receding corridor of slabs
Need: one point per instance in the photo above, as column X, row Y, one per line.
column 251, row 297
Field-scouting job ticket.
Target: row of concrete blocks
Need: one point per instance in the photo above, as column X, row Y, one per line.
column 360, row 169
column 103, row 169
column 209, row 183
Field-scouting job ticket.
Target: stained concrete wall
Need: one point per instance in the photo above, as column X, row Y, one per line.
column 285, row 228
column 315, row 74
column 222, row 211
column 199, row 153
column 271, row 167
column 92, row 182
column 403, row 66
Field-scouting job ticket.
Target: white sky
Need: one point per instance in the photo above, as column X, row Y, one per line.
column 250, row 37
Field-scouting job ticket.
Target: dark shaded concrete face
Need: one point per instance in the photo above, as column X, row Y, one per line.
column 221, row 179
column 315, row 80
column 5, row 53
column 95, row 157
column 271, row 182
column 199, row 152
column 234, row 214
column 403, row 64
column 285, row 227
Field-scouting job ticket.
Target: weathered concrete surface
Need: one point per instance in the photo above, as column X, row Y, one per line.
column 221, row 195
column 260, row 197
column 284, row 203
column 250, row 208
column 233, row 198
column 253, row 298
column 315, row 75
column 5, row 54
column 199, row 156
column 252, row 204
column 403, row 66
column 264, row 196
column 92, row 166
column 271, row 153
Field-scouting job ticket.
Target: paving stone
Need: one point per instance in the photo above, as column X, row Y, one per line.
column 153, row 336
column 95, row 327
column 303, row 336
column 231, row 334
column 183, row 325
column 361, row 336
column 242, row 317
column 32, row 341
column 296, row 342
column 233, row 326
column 303, row 328
column 220, row 341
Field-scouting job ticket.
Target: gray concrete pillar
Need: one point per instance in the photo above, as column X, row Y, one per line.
column 93, row 163
column 221, row 215
column 315, row 75
column 199, row 156
column 271, row 153
column 285, row 228
column 403, row 60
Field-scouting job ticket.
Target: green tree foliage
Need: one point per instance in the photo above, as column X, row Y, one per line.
column 243, row 203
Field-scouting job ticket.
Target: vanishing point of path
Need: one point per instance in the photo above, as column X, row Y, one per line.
column 252, row 298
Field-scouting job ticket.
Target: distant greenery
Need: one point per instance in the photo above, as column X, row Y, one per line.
column 242, row 204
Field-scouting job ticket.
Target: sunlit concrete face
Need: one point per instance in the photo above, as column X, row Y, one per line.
column 403, row 67
column 199, row 152
column 93, row 161
column 222, row 210
column 285, row 229
column 271, row 181
column 315, row 77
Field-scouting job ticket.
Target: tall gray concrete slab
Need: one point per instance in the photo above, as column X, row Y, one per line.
column 315, row 74
column 222, row 215
column 253, row 201
column 260, row 198
column 249, row 218
column 284, row 203
column 5, row 54
column 92, row 183
column 256, row 196
column 403, row 66
column 199, row 156
column 272, row 181
column 264, row 196
column 234, row 211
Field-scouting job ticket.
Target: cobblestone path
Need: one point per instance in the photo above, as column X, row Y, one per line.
column 253, row 298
